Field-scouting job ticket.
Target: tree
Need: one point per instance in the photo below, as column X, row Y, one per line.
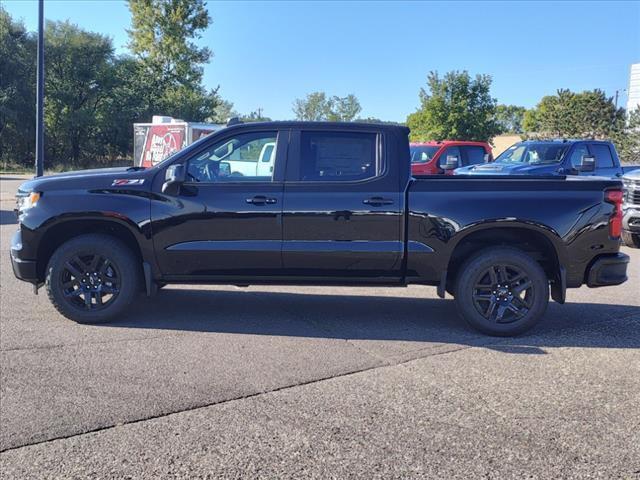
column 317, row 107
column 627, row 138
column 510, row 118
column 17, row 92
column 255, row 116
column 376, row 120
column 314, row 107
column 162, row 38
column 568, row 114
column 123, row 105
column 223, row 112
column 455, row 107
column 343, row 109
column 78, row 81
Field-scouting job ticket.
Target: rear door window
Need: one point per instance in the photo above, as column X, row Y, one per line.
column 604, row 159
column 578, row 152
column 337, row 156
column 449, row 152
column 474, row 155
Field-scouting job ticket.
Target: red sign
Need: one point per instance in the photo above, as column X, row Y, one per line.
column 160, row 142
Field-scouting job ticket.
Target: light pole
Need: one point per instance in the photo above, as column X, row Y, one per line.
column 40, row 94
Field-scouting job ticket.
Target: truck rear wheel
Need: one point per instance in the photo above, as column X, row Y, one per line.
column 502, row 291
column 92, row 278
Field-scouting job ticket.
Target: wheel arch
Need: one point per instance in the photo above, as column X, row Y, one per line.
column 536, row 242
column 61, row 232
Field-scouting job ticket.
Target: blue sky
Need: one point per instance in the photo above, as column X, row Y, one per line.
column 266, row 54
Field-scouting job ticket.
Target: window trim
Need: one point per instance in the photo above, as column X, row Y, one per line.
column 382, row 169
column 282, row 139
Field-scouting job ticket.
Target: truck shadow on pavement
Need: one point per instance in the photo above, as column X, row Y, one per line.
column 354, row 317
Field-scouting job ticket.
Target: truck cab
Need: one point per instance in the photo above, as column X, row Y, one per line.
column 430, row 158
column 554, row 157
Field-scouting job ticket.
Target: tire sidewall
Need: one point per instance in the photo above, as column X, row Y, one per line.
column 469, row 275
column 631, row 240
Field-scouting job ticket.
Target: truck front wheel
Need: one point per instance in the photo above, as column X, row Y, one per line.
column 92, row 278
column 502, row 291
column 631, row 239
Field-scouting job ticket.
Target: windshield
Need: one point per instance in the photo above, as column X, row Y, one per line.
column 533, row 154
column 422, row 154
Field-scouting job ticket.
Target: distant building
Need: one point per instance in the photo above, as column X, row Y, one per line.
column 633, row 100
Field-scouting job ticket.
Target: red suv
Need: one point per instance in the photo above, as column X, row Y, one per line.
column 429, row 158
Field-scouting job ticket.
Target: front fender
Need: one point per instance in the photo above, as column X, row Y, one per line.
column 64, row 214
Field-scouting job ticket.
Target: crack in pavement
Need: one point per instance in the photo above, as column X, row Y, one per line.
column 239, row 398
column 381, row 363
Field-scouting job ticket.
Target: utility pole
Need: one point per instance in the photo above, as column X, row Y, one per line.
column 617, row 93
column 40, row 94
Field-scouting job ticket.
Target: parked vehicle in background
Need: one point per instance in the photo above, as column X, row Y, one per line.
column 631, row 209
column 339, row 207
column 430, row 158
column 555, row 157
column 164, row 136
column 254, row 159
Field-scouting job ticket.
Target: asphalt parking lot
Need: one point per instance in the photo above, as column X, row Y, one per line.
column 277, row 382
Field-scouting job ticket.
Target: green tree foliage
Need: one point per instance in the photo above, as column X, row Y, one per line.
column 627, row 138
column 93, row 97
column 17, row 91
column 455, row 106
column 510, row 118
column 343, row 109
column 255, row 116
column 314, row 107
column 588, row 114
column 568, row 114
column 317, row 106
column 162, row 38
column 79, row 79
column 223, row 112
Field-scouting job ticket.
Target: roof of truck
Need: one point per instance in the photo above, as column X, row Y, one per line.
column 314, row 125
column 564, row 140
column 435, row 143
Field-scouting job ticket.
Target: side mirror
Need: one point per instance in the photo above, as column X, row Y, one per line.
column 453, row 162
column 224, row 169
column 588, row 164
column 174, row 177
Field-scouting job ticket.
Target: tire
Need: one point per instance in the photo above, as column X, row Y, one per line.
column 631, row 239
column 93, row 278
column 497, row 307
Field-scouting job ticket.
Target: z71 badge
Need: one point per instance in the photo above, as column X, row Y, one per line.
column 127, row 181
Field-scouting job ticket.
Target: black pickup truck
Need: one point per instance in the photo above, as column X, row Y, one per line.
column 321, row 204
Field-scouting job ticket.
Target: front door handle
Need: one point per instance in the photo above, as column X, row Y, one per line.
column 262, row 200
column 377, row 201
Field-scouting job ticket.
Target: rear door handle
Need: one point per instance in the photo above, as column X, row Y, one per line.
column 377, row 201
column 262, row 200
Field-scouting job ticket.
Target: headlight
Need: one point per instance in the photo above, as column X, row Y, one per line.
column 25, row 202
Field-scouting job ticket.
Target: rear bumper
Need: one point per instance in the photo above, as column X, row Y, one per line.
column 25, row 270
column 608, row 270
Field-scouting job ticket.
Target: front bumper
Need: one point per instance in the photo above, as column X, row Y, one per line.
column 608, row 270
column 25, row 270
column 631, row 218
